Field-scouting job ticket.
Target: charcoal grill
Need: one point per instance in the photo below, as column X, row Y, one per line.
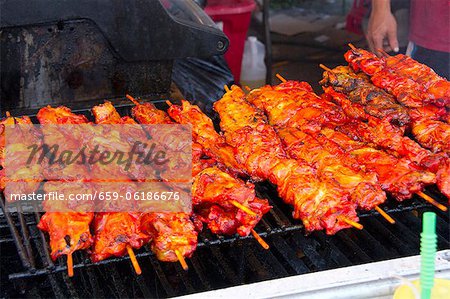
column 220, row 261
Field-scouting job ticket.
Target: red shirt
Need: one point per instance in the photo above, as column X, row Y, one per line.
column 430, row 24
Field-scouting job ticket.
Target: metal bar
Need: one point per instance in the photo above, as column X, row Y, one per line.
column 201, row 272
column 267, row 40
column 389, row 237
column 25, row 236
column 184, row 278
column 48, row 263
column 15, row 234
column 333, row 252
column 289, row 255
column 162, row 277
column 371, row 245
column 69, row 284
column 309, row 247
column 142, row 284
column 117, row 281
column 353, row 248
column 95, row 286
column 223, row 266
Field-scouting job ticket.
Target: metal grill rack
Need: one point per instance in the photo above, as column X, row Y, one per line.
column 219, row 261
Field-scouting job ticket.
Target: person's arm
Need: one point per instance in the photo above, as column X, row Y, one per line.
column 382, row 26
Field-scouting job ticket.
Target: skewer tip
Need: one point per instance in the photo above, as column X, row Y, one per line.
column 383, row 52
column 7, row 114
column 260, row 240
column 385, row 215
column 169, row 103
column 352, row 223
column 351, row 46
column 70, row 265
column 281, row 78
column 134, row 261
column 243, row 208
column 432, row 201
column 132, row 99
column 181, row 260
column 322, row 66
column 247, row 88
column 227, row 89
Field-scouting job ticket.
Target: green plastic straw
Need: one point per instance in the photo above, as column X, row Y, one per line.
column 427, row 254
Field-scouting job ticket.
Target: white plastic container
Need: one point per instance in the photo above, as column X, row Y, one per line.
column 253, row 73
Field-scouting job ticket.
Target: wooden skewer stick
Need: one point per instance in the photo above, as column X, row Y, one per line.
column 352, row 46
column 134, row 261
column 181, row 260
column 385, row 215
column 281, row 78
column 325, row 68
column 352, row 223
column 69, row 265
column 383, row 52
column 132, row 99
column 169, row 103
column 432, row 201
column 226, row 88
column 260, row 240
column 243, row 208
column 7, row 114
column 254, row 233
column 248, row 88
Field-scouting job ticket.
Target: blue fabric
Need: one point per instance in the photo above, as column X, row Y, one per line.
column 438, row 61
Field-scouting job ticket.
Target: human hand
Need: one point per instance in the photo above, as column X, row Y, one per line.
column 382, row 28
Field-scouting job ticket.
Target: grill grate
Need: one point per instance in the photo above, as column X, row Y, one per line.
column 219, row 261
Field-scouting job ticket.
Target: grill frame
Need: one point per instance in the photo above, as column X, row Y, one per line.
column 236, row 259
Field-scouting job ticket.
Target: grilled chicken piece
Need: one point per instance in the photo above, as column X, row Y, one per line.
column 384, row 135
column 68, row 231
column 170, row 232
column 375, row 101
column 204, row 134
column 412, row 83
column 22, row 139
column 320, row 203
column 409, row 179
column 60, row 115
column 397, row 176
column 213, row 189
column 114, row 231
column 212, row 193
column 289, row 124
column 363, row 187
column 426, row 127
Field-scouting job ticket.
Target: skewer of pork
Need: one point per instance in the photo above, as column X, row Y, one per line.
column 294, row 105
column 260, row 153
column 224, row 203
column 386, row 136
column 68, row 231
column 414, row 84
column 117, row 233
column 281, row 107
column 425, row 122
